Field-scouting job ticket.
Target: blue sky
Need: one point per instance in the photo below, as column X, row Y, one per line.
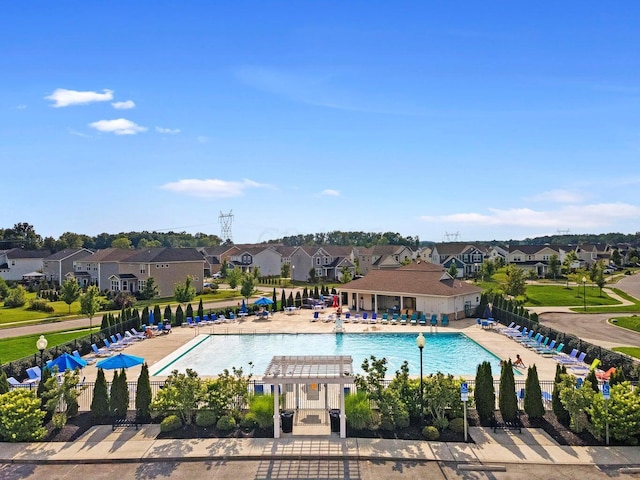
column 493, row 120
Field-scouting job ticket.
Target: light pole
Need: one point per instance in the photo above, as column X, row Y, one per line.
column 420, row 341
column 41, row 344
column 584, row 292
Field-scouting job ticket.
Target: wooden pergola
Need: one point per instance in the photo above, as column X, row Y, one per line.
column 296, row 370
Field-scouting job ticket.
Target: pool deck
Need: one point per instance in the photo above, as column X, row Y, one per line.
column 155, row 349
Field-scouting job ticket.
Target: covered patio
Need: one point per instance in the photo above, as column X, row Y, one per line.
column 292, row 371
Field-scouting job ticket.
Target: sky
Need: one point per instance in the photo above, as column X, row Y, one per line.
column 438, row 120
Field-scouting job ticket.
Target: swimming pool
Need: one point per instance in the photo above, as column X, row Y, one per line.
column 209, row 355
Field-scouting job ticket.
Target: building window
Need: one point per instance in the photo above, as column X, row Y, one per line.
column 141, row 285
column 115, row 285
column 142, row 269
column 157, row 266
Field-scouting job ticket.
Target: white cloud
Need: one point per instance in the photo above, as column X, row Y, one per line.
column 120, row 126
column 22, row 106
column 212, row 188
column 126, row 105
column 559, row 196
column 63, row 97
column 596, row 216
column 330, row 192
column 168, row 131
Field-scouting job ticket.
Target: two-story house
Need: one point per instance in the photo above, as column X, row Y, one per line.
column 15, row 263
column 381, row 257
column 57, row 265
column 468, row 257
column 536, row 257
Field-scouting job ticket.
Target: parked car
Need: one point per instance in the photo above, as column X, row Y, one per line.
column 608, row 271
column 217, row 275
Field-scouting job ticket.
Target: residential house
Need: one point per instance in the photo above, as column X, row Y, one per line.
column 215, row 257
column 468, row 257
column 96, row 269
column 589, row 254
column 15, row 263
column 327, row 262
column 536, row 257
column 422, row 287
column 381, row 257
column 58, row 264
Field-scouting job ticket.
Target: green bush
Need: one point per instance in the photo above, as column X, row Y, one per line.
column 507, row 400
column 41, row 306
column 484, row 393
column 533, row 395
column 100, row 401
column 457, row 425
column 226, row 423
column 430, row 433
column 358, row 410
column 170, row 423
column 21, row 418
column 143, row 395
column 59, row 420
column 205, row 418
column 17, row 297
column 261, row 406
column 249, row 421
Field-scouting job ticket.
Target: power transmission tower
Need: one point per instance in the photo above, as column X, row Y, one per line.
column 225, row 226
column 452, row 237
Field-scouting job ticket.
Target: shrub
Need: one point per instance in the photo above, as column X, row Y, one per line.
column 143, row 395
column 181, row 394
column 559, row 410
column 59, row 420
column 170, row 423
column 484, row 394
column 430, row 433
column 21, row 419
column 533, row 394
column 17, row 297
column 261, row 406
column 622, row 413
column 41, row 306
column 226, row 423
column 100, row 401
column 457, row 425
column 249, row 421
column 205, row 418
column 358, row 410
column 507, row 400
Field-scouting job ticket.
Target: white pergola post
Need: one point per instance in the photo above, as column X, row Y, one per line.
column 276, row 411
column 343, row 415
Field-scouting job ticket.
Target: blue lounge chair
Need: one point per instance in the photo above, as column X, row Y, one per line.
column 434, row 320
column 190, row 322
column 403, row 319
column 100, row 352
column 316, row 316
column 365, row 317
column 394, row 319
column 562, row 358
column 374, row 318
column 414, row 318
column 13, row 383
column 423, row 319
column 35, row 374
column 385, row 318
column 445, row 320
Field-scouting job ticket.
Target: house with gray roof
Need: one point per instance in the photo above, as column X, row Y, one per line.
column 15, row 263
column 467, row 256
column 536, row 257
column 57, row 265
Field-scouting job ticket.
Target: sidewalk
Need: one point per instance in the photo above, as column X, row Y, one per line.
column 101, row 445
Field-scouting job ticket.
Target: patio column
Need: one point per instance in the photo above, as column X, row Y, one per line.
column 343, row 416
column 276, row 411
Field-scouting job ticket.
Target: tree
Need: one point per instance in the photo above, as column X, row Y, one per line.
column 150, row 289
column 180, row 395
column 487, row 269
column 224, row 268
column 119, row 400
column 4, row 288
column 515, row 283
column 4, row 383
column 616, row 258
column 247, row 286
column 554, row 266
column 533, row 405
column 143, row 395
column 312, row 276
column 100, row 400
column 121, row 242
column 16, row 297
column 453, row 270
column 184, row 292
column 558, row 408
column 345, row 275
column 507, row 400
column 576, row 401
column 569, row 258
column 285, row 270
column 485, row 393
column 621, row 412
column 21, row 419
column 89, row 305
column 233, row 277
column 200, row 309
column 597, row 275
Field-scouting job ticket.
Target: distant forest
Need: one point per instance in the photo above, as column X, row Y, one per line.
column 24, row 235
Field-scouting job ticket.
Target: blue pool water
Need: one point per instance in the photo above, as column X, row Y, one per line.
column 444, row 352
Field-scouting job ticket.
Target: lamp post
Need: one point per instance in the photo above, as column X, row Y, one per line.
column 420, row 341
column 584, row 292
column 41, row 344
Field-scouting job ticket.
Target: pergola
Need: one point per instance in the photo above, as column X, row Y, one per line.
column 296, row 370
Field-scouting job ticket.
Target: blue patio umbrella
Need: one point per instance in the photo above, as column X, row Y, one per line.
column 243, row 308
column 66, row 362
column 150, row 320
column 121, row 360
column 263, row 301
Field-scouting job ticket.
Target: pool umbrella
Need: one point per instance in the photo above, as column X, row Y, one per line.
column 66, row 362
column 263, row 301
column 243, row 308
column 121, row 360
column 150, row 320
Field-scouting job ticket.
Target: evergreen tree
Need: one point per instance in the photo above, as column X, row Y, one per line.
column 143, row 395
column 562, row 414
column 179, row 315
column 189, row 311
column 283, row 300
column 507, row 400
column 274, row 307
column 167, row 313
column 105, row 322
column 41, row 392
column 593, row 380
column 113, row 394
column 157, row 316
column 200, row 309
column 145, row 316
column 100, row 401
column 290, row 299
column 533, row 405
column 4, row 383
column 617, row 377
column 485, row 393
column 119, row 401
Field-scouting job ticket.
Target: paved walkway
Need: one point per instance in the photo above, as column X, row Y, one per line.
column 101, row 445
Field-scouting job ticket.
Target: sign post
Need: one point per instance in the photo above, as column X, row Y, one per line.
column 464, row 396
column 606, row 394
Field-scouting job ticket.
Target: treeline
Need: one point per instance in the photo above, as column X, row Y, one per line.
column 24, row 235
column 577, row 239
column 361, row 239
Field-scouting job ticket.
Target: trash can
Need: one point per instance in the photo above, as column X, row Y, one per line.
column 286, row 418
column 334, row 419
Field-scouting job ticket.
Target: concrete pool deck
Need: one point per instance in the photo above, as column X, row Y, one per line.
column 155, row 349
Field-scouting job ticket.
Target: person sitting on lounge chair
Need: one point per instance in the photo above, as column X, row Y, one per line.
column 519, row 362
column 148, row 332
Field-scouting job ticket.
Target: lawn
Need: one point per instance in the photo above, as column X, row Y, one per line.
column 561, row 296
column 630, row 323
column 16, row 348
column 631, row 351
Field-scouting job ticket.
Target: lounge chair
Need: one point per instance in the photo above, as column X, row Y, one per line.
column 35, row 374
column 414, row 318
column 100, row 352
column 604, row 376
column 13, row 382
column 137, row 334
column 232, row 316
column 329, row 318
column 545, row 347
column 445, row 320
column 422, row 320
column 111, row 347
column 551, row 353
column 356, row 318
column 394, row 319
column 403, row 319
column 347, row 317
column 434, row 320
column 385, row 318
column 365, row 317
column 563, row 358
column 316, row 316
column 190, row 322
column 89, row 360
column 374, row 318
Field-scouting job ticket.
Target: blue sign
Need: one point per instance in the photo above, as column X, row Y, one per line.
column 606, row 391
column 579, row 382
column 464, row 388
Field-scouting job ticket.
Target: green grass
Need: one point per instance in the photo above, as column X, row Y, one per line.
column 16, row 348
column 561, row 296
column 630, row 323
column 22, row 314
column 631, row 351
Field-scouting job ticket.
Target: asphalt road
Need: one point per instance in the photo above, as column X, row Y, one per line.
column 593, row 327
column 297, row 470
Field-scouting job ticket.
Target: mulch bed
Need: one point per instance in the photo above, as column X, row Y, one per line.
column 79, row 424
